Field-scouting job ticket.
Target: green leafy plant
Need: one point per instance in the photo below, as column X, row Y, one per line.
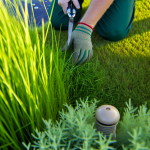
column 134, row 129
column 76, row 130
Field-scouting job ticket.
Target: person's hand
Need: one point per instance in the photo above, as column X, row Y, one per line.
column 64, row 4
column 81, row 38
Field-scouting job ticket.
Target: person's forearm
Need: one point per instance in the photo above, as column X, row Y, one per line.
column 95, row 11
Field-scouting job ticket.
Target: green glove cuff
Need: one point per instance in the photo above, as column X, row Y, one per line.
column 85, row 28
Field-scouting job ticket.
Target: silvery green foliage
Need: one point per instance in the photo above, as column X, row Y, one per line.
column 137, row 142
column 134, row 131
column 76, row 130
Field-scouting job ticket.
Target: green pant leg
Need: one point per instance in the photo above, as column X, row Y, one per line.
column 59, row 18
column 116, row 22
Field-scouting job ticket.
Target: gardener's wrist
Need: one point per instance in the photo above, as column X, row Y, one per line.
column 85, row 28
column 83, row 23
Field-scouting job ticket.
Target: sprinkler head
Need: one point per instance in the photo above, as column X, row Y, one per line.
column 107, row 117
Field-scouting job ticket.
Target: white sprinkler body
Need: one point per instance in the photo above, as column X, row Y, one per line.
column 107, row 117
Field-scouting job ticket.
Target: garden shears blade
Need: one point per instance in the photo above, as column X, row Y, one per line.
column 71, row 13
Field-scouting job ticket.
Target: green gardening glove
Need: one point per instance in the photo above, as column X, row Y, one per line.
column 81, row 38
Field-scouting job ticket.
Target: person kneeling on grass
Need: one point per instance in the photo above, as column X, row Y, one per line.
column 112, row 18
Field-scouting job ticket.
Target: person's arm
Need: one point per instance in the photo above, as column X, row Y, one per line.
column 95, row 11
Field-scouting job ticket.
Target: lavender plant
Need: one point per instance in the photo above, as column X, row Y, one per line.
column 76, row 130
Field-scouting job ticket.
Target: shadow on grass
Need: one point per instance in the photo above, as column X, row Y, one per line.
column 140, row 27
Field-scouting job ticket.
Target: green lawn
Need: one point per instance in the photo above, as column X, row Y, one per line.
column 118, row 71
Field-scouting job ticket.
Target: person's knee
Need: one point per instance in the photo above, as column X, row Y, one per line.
column 116, row 35
column 58, row 25
column 111, row 34
column 59, row 21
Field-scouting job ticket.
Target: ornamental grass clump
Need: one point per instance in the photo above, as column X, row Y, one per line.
column 31, row 86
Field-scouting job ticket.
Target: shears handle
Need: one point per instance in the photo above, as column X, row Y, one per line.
column 71, row 11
